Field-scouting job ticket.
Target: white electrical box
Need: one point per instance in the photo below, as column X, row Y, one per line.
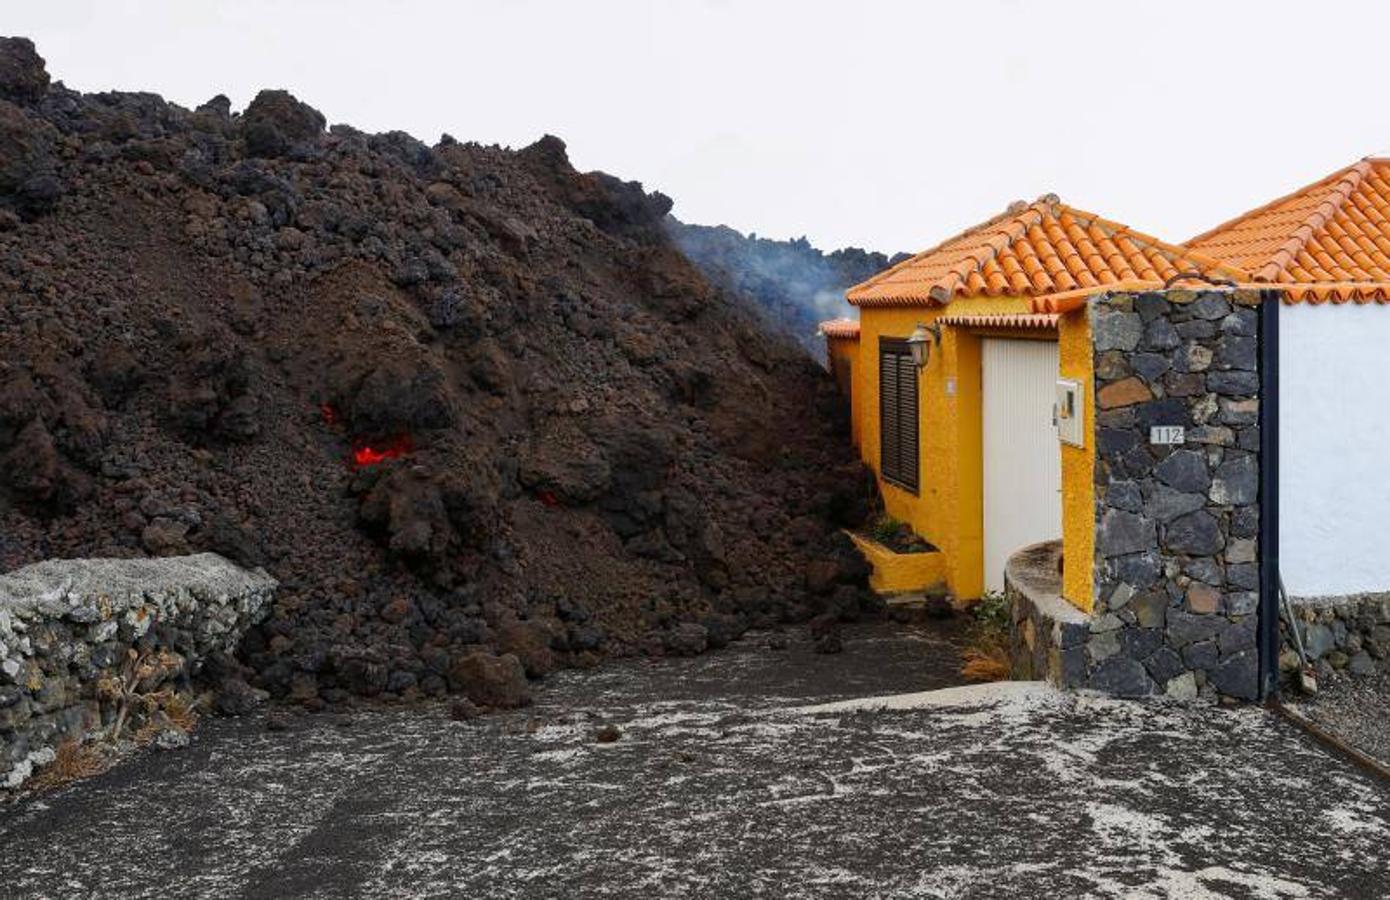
column 1070, row 412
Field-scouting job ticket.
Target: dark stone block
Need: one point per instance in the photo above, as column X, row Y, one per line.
column 1160, row 335
column 1245, row 576
column 1115, row 442
column 1138, row 569
column 1245, row 521
column 1196, row 330
column 1151, row 307
column 1236, row 636
column 1184, row 384
column 1200, row 654
column 1149, row 366
column 1165, row 504
column 1237, row 676
column 1121, row 677
column 1206, row 570
column 1164, row 664
column 1138, row 462
column 1248, row 438
column 1114, row 330
column 1140, row 643
column 1242, row 603
column 1184, row 470
column 1124, row 494
column 1233, row 384
column 1168, row 411
column 1196, row 534
column 1122, row 532
column 1073, row 634
column 1236, row 352
column 1072, row 672
column 1210, row 306
column 1186, row 628
column 1237, row 482
column 1242, row 321
column 1115, row 418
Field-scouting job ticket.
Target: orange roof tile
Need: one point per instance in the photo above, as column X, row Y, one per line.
column 840, row 328
column 1327, row 242
column 1035, row 250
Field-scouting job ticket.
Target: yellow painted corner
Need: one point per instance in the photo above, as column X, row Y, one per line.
column 1078, row 466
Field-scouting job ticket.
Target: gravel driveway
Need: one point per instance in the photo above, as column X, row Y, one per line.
column 733, row 777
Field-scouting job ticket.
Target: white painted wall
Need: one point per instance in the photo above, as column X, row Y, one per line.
column 1334, row 448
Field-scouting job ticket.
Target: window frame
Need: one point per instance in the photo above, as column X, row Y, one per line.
column 892, row 468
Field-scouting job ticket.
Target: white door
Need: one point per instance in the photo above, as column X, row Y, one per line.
column 1022, row 466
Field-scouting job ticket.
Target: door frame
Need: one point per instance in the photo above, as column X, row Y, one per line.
column 981, row 335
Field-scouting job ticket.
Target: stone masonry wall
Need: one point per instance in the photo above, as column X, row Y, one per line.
column 1177, row 560
column 67, row 626
column 1340, row 634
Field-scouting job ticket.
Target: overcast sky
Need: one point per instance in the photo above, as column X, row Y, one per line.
column 878, row 124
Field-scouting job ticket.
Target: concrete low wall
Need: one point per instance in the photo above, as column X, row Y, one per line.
column 1350, row 634
column 67, row 626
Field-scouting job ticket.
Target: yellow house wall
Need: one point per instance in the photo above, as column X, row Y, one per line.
column 843, row 356
column 1078, row 465
column 948, row 508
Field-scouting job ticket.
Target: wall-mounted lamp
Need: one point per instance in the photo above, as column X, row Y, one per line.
column 917, row 343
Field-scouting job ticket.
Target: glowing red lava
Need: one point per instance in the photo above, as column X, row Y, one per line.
column 329, row 412
column 367, row 455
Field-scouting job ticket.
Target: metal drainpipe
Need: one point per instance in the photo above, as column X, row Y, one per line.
column 1268, row 616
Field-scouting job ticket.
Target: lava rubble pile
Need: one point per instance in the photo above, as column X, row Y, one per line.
column 465, row 403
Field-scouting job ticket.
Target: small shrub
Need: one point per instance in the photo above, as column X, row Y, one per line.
column 992, row 613
column 986, row 658
column 986, row 665
column 885, row 528
column 73, row 760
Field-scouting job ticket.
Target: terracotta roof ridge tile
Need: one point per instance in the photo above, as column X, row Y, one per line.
column 1342, row 188
column 1366, row 162
column 1014, row 210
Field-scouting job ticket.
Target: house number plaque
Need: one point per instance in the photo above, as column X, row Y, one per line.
column 1167, row 434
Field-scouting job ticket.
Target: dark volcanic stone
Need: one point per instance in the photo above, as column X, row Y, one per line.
column 1196, row 534
column 1185, row 471
column 490, row 680
column 1238, row 676
column 1233, row 384
column 1237, row 482
column 23, row 78
column 1122, row 677
column 1123, row 532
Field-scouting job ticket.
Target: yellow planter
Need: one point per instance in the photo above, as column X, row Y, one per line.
column 901, row 573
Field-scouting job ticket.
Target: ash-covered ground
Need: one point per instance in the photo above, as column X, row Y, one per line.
column 731, row 777
column 464, row 402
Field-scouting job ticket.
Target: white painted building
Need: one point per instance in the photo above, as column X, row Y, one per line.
column 1327, row 247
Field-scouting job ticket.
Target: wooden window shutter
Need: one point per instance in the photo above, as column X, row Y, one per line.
column 898, row 414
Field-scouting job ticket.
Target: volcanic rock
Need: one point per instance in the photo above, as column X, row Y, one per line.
column 490, row 680
column 466, row 376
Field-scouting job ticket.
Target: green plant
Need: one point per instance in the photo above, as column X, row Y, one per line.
column 986, row 658
column 992, row 613
column 885, row 528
